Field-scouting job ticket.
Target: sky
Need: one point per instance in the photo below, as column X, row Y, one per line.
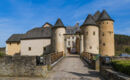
column 19, row 16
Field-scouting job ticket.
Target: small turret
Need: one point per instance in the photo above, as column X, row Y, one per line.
column 58, row 32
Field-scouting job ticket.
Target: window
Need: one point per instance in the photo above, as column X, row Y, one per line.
column 90, row 47
column 29, row 48
column 104, row 44
column 10, row 44
column 73, row 37
column 44, row 48
column 68, row 42
column 103, row 34
column 107, row 22
column 94, row 33
column 59, row 34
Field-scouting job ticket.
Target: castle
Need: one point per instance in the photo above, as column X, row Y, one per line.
column 95, row 36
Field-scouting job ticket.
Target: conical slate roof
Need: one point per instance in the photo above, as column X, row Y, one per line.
column 96, row 15
column 89, row 21
column 104, row 16
column 58, row 23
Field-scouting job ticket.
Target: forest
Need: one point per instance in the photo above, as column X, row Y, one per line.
column 122, row 44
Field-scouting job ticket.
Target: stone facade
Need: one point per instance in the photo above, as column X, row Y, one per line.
column 13, row 48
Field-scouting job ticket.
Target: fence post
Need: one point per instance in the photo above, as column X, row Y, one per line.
column 49, row 61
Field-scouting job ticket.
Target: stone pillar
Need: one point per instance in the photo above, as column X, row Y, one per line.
column 81, row 44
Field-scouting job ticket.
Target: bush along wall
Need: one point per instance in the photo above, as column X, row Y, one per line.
column 122, row 66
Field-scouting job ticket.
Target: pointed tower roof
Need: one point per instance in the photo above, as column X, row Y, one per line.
column 89, row 21
column 96, row 15
column 59, row 23
column 104, row 16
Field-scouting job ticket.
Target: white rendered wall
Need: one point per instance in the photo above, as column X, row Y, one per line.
column 37, row 47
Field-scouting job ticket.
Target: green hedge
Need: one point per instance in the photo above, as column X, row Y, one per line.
column 122, row 66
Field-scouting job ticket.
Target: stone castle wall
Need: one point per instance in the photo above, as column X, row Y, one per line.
column 13, row 48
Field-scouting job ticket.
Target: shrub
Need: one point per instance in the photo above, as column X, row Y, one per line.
column 2, row 54
column 127, row 50
column 122, row 66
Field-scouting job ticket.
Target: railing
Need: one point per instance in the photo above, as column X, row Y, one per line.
column 49, row 59
column 91, row 59
column 55, row 56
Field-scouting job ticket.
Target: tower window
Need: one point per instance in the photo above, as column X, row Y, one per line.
column 103, row 34
column 107, row 22
column 94, row 33
column 104, row 44
column 90, row 47
column 29, row 48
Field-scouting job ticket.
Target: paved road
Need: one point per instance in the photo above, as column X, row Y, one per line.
column 72, row 68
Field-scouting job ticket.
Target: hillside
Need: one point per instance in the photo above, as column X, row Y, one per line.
column 122, row 44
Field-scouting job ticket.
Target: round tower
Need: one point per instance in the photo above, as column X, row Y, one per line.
column 106, row 34
column 91, row 35
column 58, row 32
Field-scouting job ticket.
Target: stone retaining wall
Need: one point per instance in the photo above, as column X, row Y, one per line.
column 109, row 74
column 21, row 66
